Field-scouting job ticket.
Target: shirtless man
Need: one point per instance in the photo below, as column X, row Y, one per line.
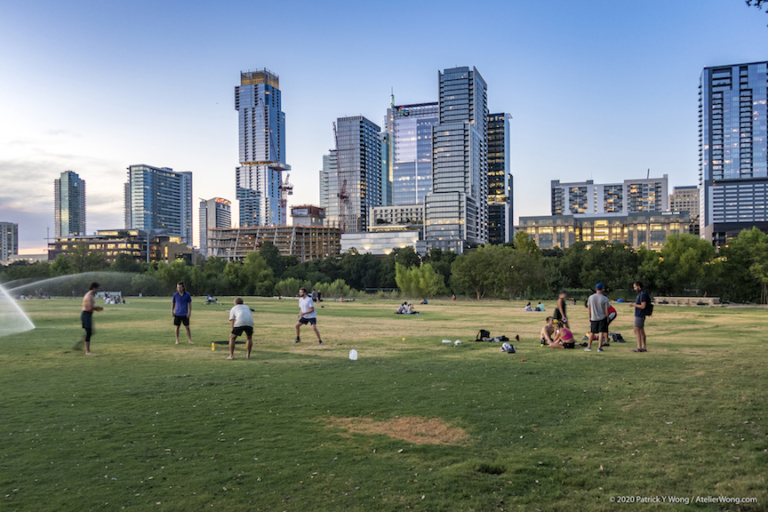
column 547, row 332
column 86, row 316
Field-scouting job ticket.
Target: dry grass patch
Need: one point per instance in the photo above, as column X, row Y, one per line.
column 413, row 429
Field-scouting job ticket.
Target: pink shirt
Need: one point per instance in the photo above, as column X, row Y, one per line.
column 567, row 336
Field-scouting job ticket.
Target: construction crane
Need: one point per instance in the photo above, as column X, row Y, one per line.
column 341, row 187
column 286, row 189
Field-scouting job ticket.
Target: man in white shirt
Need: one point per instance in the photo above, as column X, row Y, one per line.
column 242, row 322
column 307, row 315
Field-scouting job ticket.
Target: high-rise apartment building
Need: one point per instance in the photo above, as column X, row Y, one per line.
column 409, row 132
column 158, row 198
column 685, row 199
column 9, row 240
column 261, row 126
column 355, row 186
column 500, row 223
column 456, row 210
column 69, row 204
column 733, row 150
column 329, row 168
column 214, row 213
column 588, row 198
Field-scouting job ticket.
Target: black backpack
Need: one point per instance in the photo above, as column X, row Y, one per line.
column 649, row 306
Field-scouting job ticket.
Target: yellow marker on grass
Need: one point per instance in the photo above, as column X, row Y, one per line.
column 213, row 346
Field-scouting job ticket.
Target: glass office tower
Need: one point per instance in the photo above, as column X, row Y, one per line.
column 411, row 135
column 456, row 211
column 499, row 180
column 733, row 161
column 69, row 205
column 157, row 198
column 261, row 127
column 354, row 186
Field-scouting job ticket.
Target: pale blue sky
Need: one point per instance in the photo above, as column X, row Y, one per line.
column 596, row 89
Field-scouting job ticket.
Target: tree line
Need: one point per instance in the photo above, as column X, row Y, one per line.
column 686, row 266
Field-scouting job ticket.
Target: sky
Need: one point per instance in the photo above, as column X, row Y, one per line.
column 601, row 90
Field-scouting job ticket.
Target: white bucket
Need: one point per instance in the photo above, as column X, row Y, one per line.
column 353, row 355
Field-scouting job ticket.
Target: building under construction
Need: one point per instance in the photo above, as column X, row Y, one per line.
column 305, row 242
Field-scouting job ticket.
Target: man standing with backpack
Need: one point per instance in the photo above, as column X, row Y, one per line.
column 642, row 307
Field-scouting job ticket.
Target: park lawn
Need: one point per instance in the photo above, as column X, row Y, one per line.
column 149, row 425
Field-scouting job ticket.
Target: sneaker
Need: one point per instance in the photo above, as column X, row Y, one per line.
column 587, row 349
column 600, row 350
column 319, row 342
column 297, row 340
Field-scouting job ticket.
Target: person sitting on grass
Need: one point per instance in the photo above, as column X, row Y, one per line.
column 402, row 310
column 540, row 307
column 241, row 319
column 548, row 331
column 562, row 336
column 410, row 309
column 424, row 301
column 528, row 307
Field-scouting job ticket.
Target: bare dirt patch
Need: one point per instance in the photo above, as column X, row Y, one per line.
column 413, row 429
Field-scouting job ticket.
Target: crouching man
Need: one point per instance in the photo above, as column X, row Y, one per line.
column 242, row 322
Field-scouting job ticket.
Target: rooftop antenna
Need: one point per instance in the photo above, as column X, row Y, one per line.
column 648, row 176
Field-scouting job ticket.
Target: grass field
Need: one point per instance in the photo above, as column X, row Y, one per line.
column 414, row 424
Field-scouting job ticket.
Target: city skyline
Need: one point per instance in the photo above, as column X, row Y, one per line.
column 588, row 87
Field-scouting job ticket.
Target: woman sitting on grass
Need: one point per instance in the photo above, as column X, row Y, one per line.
column 562, row 336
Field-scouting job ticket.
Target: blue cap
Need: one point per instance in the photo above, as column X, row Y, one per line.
column 599, row 286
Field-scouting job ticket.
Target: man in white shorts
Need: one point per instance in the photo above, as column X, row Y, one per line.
column 307, row 315
column 242, row 322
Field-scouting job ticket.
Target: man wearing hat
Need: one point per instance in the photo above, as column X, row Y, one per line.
column 597, row 305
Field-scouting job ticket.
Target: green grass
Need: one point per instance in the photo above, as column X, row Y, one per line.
column 147, row 421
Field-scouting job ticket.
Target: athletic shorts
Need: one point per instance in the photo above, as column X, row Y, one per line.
column 86, row 317
column 640, row 321
column 598, row 326
column 611, row 317
column 247, row 329
column 305, row 321
column 178, row 320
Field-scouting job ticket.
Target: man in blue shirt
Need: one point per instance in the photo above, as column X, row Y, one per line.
column 181, row 309
column 640, row 305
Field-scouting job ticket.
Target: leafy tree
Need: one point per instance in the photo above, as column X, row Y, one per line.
column 421, row 281
column 125, row 263
column 523, row 242
column 147, row 284
column 472, row 272
column 683, row 264
column 290, row 287
column 407, row 257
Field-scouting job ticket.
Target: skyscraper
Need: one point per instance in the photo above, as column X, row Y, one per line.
column 261, row 126
column 157, row 198
column 214, row 213
column 456, row 211
column 355, row 186
column 733, row 150
column 329, row 168
column 499, row 180
column 9, row 240
column 410, row 135
column 69, row 205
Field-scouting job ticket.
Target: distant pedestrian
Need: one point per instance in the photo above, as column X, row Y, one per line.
column 86, row 316
column 242, row 322
column 307, row 315
column 597, row 305
column 640, row 305
column 181, row 309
